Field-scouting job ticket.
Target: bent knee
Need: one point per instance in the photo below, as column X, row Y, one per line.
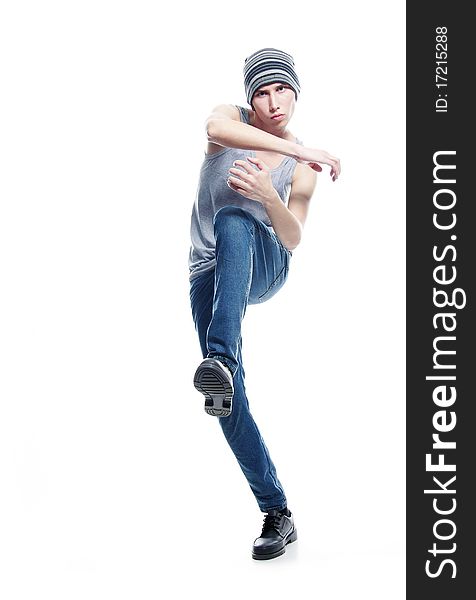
column 229, row 213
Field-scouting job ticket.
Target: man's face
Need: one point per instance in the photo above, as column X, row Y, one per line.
column 274, row 105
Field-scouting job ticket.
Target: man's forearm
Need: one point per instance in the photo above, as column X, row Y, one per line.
column 234, row 134
column 286, row 225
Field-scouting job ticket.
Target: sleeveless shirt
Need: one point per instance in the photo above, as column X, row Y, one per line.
column 213, row 193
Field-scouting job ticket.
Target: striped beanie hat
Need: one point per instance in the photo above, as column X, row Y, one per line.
column 269, row 66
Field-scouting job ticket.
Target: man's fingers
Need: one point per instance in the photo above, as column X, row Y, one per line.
column 336, row 166
column 231, row 185
column 240, row 173
column 238, row 183
column 245, row 165
column 258, row 162
column 238, row 190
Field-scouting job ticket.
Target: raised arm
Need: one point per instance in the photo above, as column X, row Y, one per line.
column 224, row 128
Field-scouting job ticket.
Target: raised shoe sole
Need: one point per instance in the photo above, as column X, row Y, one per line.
column 213, row 383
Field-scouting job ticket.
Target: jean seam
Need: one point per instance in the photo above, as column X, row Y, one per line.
column 275, row 239
column 273, row 283
column 270, row 470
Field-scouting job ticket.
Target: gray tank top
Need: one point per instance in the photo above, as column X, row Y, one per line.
column 213, row 193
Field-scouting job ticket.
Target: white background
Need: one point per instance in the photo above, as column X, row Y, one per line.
column 114, row 482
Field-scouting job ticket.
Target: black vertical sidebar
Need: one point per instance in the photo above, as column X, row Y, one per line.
column 441, row 269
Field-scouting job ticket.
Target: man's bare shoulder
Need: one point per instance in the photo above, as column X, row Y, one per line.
column 222, row 111
column 229, row 111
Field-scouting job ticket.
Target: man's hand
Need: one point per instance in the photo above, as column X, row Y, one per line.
column 312, row 157
column 255, row 184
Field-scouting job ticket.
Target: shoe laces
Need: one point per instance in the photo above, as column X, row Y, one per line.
column 272, row 522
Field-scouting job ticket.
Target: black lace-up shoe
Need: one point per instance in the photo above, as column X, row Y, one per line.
column 278, row 530
column 215, row 381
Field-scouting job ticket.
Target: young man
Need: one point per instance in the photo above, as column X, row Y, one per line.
column 253, row 195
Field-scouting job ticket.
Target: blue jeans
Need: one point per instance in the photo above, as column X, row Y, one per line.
column 251, row 266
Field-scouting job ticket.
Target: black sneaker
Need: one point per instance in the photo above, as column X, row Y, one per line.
column 278, row 531
column 215, row 381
